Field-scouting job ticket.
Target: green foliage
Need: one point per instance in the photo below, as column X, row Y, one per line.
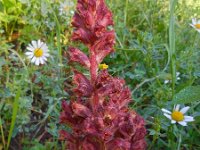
column 187, row 95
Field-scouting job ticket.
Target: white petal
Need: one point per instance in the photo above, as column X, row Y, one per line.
column 44, row 48
column 197, row 29
column 44, row 58
column 46, row 54
column 29, row 53
column 39, row 43
column 188, row 119
column 166, row 81
column 198, row 22
column 30, row 56
column 34, row 43
column 37, row 62
column 30, row 48
column 166, row 111
column 33, row 60
column 173, row 121
column 41, row 61
column 184, row 109
column 194, row 21
column 183, row 123
column 177, row 107
column 177, row 73
column 168, row 116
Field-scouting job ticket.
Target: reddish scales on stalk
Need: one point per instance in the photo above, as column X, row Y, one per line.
column 98, row 113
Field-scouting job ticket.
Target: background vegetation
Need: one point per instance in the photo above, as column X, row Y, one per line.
column 30, row 96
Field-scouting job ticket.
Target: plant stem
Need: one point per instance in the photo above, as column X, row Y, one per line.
column 2, row 133
column 179, row 141
column 14, row 116
column 172, row 44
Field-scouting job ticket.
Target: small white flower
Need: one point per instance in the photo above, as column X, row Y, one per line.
column 177, row 78
column 195, row 24
column 37, row 52
column 178, row 115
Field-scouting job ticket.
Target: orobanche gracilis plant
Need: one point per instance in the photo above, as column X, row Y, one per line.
column 98, row 112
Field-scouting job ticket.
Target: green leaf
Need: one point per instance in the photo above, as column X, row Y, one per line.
column 187, row 95
column 14, row 116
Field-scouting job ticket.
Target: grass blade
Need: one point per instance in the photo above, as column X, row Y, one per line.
column 14, row 116
column 172, row 44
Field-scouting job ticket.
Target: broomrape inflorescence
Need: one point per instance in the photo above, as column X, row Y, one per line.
column 98, row 112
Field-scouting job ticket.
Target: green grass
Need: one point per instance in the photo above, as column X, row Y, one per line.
column 153, row 43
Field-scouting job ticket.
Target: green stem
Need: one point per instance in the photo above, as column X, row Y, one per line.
column 172, row 44
column 179, row 141
column 2, row 133
column 125, row 13
column 14, row 116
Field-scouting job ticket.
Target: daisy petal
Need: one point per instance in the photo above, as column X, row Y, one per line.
column 28, row 53
column 44, row 48
column 184, row 109
column 30, row 56
column 198, row 30
column 46, row 54
column 30, row 48
column 33, row 60
column 41, row 61
column 183, row 123
column 37, row 62
column 44, row 58
column 39, row 43
column 34, row 43
column 178, row 73
column 177, row 107
column 166, row 81
column 194, row 21
column 173, row 121
column 188, row 119
column 168, row 116
column 166, row 111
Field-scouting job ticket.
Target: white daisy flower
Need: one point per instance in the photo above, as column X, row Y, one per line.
column 196, row 24
column 37, row 52
column 178, row 115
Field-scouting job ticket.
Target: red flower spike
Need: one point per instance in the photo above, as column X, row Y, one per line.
column 98, row 114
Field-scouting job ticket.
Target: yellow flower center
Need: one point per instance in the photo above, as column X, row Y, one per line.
column 38, row 52
column 177, row 116
column 197, row 26
column 103, row 66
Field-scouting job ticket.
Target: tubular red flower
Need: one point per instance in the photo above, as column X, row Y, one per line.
column 98, row 114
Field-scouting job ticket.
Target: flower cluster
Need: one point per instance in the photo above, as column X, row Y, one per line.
column 98, row 112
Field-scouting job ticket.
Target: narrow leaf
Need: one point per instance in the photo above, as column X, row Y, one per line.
column 14, row 116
